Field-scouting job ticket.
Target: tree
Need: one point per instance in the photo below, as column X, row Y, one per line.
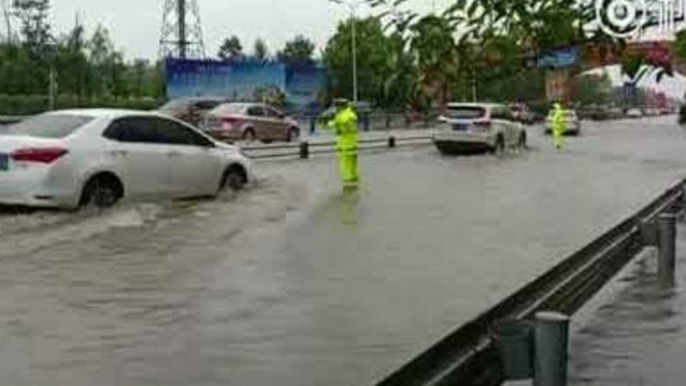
column 231, row 49
column 74, row 71
column 299, row 51
column 591, row 89
column 435, row 52
column 373, row 66
column 260, row 52
column 35, row 29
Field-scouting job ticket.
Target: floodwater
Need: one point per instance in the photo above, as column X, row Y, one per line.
column 292, row 283
column 637, row 335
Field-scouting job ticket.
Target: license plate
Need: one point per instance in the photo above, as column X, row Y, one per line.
column 460, row 127
column 4, row 162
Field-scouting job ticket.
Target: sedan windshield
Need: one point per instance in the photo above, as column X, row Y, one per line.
column 48, row 126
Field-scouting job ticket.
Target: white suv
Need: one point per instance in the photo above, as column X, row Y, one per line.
column 478, row 127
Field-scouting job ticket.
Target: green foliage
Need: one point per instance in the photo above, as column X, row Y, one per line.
column 271, row 95
column 35, row 28
column 299, row 51
column 375, row 55
column 86, row 70
column 260, row 51
column 592, row 89
column 679, row 45
column 231, row 49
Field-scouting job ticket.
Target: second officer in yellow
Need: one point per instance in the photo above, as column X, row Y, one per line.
column 347, row 143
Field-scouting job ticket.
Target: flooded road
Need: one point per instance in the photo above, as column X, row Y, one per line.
column 637, row 334
column 291, row 283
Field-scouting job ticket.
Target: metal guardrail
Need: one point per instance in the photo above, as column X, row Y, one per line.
column 468, row 356
column 305, row 149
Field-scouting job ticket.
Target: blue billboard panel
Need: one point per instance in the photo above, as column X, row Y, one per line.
column 305, row 85
column 240, row 81
column 564, row 58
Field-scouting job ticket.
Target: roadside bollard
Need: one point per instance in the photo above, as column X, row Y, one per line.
column 365, row 119
column 313, row 124
column 513, row 338
column 304, row 150
column 649, row 233
column 551, row 339
column 391, row 142
column 667, row 246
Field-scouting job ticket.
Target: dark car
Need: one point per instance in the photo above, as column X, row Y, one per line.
column 191, row 110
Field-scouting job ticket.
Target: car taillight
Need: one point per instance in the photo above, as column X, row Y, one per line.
column 230, row 120
column 46, row 155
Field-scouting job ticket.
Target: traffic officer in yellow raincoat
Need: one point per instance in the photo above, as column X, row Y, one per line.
column 559, row 126
column 345, row 125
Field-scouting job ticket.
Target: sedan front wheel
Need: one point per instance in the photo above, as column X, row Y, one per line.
column 234, row 178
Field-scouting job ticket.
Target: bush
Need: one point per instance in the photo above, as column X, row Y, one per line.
column 36, row 104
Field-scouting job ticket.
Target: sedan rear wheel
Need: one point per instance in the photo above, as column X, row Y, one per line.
column 101, row 192
column 499, row 145
column 249, row 135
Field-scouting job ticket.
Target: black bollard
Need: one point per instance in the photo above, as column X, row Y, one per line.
column 313, row 124
column 551, row 341
column 667, row 247
column 304, row 150
column 391, row 142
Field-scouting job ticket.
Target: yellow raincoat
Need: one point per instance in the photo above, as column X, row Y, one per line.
column 345, row 125
column 559, row 126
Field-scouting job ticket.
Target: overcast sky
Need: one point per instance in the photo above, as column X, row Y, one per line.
column 135, row 24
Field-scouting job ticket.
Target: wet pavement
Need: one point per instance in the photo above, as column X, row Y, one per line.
column 636, row 334
column 293, row 283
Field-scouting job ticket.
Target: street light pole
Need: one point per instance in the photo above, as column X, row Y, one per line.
column 353, row 21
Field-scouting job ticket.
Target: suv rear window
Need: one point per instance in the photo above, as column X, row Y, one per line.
column 466, row 112
column 49, row 125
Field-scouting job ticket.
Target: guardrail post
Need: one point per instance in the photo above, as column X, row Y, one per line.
column 514, row 340
column 391, row 142
column 667, row 245
column 551, row 339
column 313, row 124
column 649, row 233
column 304, row 150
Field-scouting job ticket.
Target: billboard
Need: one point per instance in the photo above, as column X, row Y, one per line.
column 564, row 58
column 239, row 81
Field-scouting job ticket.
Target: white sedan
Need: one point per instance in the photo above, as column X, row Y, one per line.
column 74, row 158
